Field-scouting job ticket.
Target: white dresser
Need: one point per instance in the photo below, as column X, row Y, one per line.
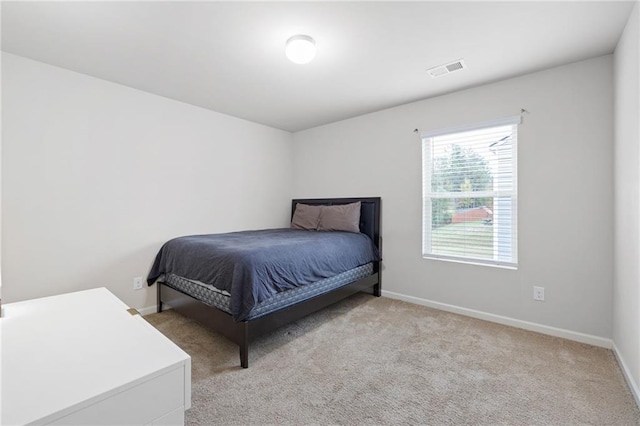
column 83, row 359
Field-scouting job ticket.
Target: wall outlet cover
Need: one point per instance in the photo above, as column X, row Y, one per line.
column 538, row 293
column 137, row 283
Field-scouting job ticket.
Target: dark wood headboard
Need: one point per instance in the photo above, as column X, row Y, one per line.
column 369, row 212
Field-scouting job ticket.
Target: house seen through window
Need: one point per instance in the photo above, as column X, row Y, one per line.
column 470, row 193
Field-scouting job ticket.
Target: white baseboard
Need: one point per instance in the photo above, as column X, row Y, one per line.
column 526, row 325
column 633, row 386
column 150, row 310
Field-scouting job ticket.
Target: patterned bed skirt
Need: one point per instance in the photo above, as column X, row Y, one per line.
column 211, row 296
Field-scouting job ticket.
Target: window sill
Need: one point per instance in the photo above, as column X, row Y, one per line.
column 492, row 264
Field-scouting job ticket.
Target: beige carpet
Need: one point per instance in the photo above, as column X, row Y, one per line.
column 374, row 360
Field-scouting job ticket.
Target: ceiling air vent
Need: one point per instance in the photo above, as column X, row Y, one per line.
column 447, row 68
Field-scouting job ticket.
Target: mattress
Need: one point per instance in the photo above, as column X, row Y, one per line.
column 212, row 296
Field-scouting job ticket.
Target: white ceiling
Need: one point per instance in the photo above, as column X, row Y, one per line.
column 229, row 56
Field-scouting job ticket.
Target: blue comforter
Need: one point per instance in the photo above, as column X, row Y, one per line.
column 254, row 265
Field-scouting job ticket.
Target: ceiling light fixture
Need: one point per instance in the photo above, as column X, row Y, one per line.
column 301, row 49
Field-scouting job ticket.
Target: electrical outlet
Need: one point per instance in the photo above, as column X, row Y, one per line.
column 538, row 293
column 137, row 283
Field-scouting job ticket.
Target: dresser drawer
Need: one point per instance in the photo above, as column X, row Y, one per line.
column 140, row 405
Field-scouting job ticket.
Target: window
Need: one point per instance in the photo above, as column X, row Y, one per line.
column 469, row 188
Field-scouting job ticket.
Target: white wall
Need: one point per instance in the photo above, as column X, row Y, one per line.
column 565, row 198
column 626, row 291
column 96, row 176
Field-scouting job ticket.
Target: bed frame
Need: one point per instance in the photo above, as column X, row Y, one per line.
column 244, row 332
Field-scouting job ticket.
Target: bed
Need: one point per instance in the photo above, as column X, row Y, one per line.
column 192, row 277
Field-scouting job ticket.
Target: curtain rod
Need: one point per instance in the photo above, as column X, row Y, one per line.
column 523, row 111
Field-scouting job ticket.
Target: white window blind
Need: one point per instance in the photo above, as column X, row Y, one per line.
column 470, row 193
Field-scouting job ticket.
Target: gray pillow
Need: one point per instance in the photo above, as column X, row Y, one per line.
column 345, row 217
column 306, row 217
